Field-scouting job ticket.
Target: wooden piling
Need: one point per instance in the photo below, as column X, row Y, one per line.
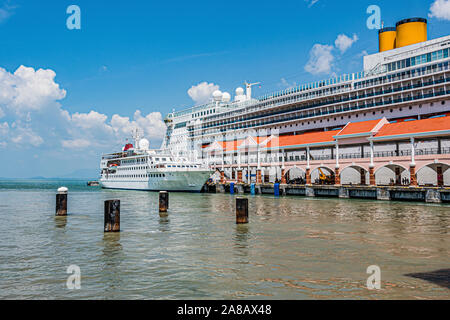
column 163, row 201
column 61, row 202
column 112, row 215
column 241, row 210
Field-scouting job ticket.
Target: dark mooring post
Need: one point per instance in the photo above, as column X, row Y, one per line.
column 163, row 201
column 112, row 216
column 241, row 210
column 61, row 202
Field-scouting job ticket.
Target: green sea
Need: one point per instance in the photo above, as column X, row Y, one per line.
column 293, row 247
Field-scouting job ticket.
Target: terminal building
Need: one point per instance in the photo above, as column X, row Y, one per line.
column 388, row 124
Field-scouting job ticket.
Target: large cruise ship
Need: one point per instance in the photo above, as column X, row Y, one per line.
column 139, row 168
column 407, row 79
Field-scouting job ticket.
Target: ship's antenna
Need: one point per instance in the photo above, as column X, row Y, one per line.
column 136, row 137
column 249, row 86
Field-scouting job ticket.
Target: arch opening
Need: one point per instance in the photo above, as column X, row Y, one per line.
column 434, row 174
column 392, row 175
column 355, row 174
column 323, row 176
column 295, row 175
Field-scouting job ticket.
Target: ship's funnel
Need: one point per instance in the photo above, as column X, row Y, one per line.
column 387, row 38
column 411, row 31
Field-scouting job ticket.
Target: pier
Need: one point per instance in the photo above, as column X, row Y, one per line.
column 398, row 193
column 374, row 159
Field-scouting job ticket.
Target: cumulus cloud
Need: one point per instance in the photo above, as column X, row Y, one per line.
column 321, row 59
column 28, row 89
column 151, row 125
column 26, row 137
column 202, row 92
column 322, row 56
column 30, row 100
column 343, row 42
column 440, row 9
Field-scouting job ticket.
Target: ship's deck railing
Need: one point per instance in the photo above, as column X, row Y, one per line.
column 311, row 91
column 320, row 113
column 313, row 95
column 357, row 97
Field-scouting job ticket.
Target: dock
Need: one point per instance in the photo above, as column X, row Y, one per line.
column 386, row 193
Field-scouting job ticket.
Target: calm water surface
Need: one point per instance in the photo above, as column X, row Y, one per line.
column 293, row 248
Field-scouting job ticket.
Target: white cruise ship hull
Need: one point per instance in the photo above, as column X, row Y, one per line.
column 182, row 181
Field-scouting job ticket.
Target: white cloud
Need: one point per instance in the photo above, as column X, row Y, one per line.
column 6, row 11
column 31, row 101
column 343, row 42
column 440, row 9
column 311, row 2
column 202, row 92
column 4, row 129
column 321, row 56
column 25, row 137
column 2, row 113
column 286, row 85
column 28, row 90
column 363, row 53
column 321, row 59
column 150, row 125
column 76, row 143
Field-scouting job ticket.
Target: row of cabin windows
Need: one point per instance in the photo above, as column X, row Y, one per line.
column 147, row 167
column 149, row 175
column 203, row 113
column 410, row 73
column 424, row 58
column 138, row 160
column 401, row 75
column 133, row 168
column 181, row 166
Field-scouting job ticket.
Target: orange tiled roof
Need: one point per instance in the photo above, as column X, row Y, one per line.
column 417, row 126
column 359, row 127
column 230, row 145
column 306, row 138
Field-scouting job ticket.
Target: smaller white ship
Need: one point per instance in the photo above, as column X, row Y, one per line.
column 140, row 168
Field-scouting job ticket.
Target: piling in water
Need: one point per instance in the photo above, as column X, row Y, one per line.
column 276, row 189
column 61, row 202
column 241, row 210
column 252, row 189
column 163, row 201
column 112, row 215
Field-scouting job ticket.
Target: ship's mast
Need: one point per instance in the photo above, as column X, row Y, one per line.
column 136, row 136
column 248, row 87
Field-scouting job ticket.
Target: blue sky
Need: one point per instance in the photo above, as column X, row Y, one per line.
column 145, row 55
